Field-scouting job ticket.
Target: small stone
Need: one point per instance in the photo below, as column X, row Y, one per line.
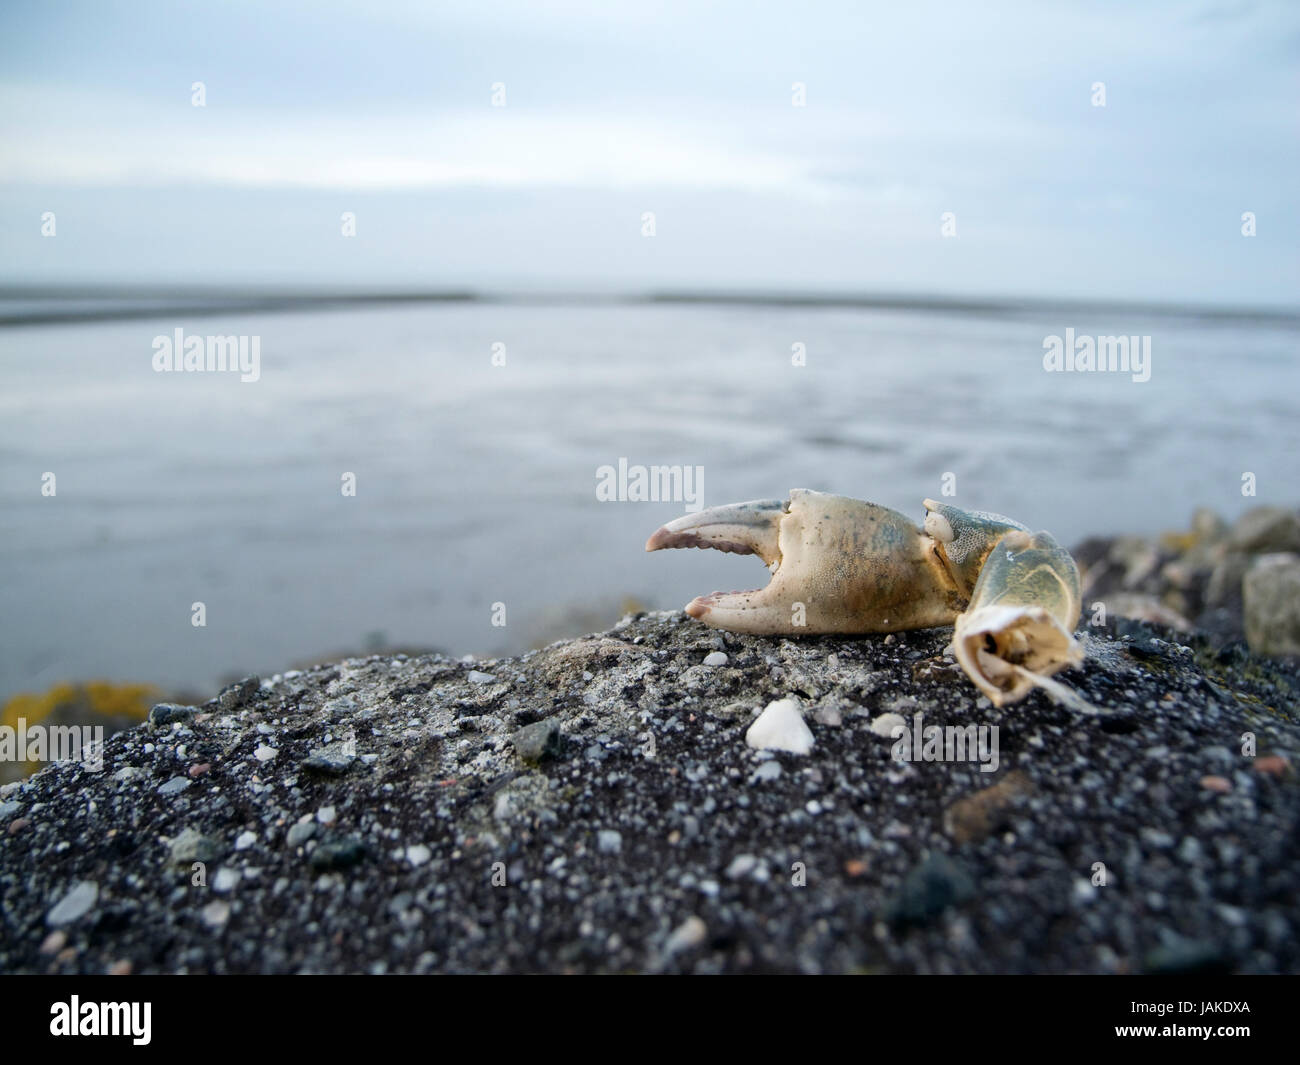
column 855, row 867
column 18, row 824
column 418, row 854
column 326, row 815
column 1273, row 764
column 977, row 816
column 226, row 880
column 537, row 741
column 191, row 846
column 931, row 887
column 300, row 833
column 1264, row 529
column 54, row 942
column 216, row 914
column 197, row 771
column 780, row 727
column 265, row 753
column 332, row 760
column 338, row 854
column 741, row 866
column 175, row 786
column 477, row 676
column 769, row 770
column 7, row 808
column 163, row 715
column 1271, row 605
column 1222, row 785
column 690, row 933
column 885, row 724
column 241, row 693
column 74, row 905
column 829, row 714
column 608, row 841
column 245, row 840
column 120, row 968
column 715, row 658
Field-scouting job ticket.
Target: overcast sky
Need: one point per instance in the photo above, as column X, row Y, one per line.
column 384, row 109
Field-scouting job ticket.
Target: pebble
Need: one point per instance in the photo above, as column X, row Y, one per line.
column 1218, row 784
column 216, row 914
column 233, row 696
column 976, row 816
column 608, row 841
column 690, row 933
column 418, row 854
column 769, row 770
column 538, row 740
column 74, row 905
column 715, row 658
column 300, row 833
column 191, row 846
column 932, row 886
column 245, row 840
column 477, row 676
column 225, row 880
column 1273, row 764
column 885, row 724
column 829, row 715
column 741, row 866
column 331, row 760
column 54, row 942
column 780, row 727
column 326, row 815
column 7, row 808
column 165, row 714
column 120, row 968
column 175, row 786
column 265, row 753
column 338, row 854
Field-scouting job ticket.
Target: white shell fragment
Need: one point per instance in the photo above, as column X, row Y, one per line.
column 780, row 727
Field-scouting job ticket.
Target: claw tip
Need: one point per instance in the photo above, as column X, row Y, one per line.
column 697, row 608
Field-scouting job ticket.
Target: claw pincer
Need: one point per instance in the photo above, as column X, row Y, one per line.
column 842, row 565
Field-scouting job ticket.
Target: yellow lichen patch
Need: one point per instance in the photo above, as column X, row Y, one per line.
column 96, row 702
column 1179, row 542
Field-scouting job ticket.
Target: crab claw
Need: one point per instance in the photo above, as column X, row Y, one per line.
column 1019, row 628
column 838, row 565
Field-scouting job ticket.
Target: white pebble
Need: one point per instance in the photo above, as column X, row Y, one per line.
column 690, row 933
column 225, row 880
column 216, row 914
column 245, row 840
column 418, row 854
column 325, row 815
column 780, row 727
column 74, row 905
column 265, row 753
column 715, row 658
column 885, row 724
column 741, row 866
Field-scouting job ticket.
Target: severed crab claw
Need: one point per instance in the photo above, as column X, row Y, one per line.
column 841, row 565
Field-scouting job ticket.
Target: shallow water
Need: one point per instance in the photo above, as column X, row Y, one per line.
column 476, row 484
